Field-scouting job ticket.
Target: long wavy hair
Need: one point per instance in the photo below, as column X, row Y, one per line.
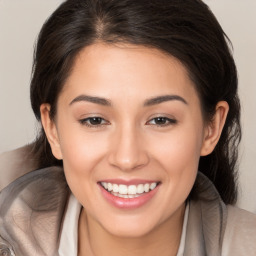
column 185, row 29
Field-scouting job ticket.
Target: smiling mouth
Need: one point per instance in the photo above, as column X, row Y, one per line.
column 129, row 191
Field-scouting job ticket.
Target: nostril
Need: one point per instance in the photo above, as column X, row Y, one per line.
column 129, row 162
column 127, row 150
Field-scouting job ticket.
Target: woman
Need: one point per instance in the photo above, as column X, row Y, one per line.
column 137, row 154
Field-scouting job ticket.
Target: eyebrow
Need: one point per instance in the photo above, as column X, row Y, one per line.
column 148, row 102
column 92, row 99
column 164, row 98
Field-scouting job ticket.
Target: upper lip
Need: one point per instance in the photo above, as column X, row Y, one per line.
column 128, row 182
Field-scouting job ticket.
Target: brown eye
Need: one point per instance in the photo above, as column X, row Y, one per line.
column 93, row 121
column 162, row 121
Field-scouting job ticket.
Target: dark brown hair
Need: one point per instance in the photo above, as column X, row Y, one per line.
column 185, row 29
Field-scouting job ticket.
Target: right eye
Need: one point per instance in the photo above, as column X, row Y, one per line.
column 162, row 121
column 94, row 121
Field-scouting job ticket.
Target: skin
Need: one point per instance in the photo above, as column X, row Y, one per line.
column 129, row 143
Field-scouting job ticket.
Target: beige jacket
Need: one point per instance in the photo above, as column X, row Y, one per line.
column 32, row 209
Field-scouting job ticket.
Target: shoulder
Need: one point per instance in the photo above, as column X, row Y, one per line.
column 215, row 228
column 31, row 212
column 240, row 218
column 16, row 163
column 42, row 183
column 240, row 233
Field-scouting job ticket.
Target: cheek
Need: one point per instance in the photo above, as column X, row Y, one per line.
column 82, row 156
column 179, row 150
column 81, row 153
column 179, row 155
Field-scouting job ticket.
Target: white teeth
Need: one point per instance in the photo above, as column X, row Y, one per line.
column 115, row 188
column 109, row 187
column 152, row 185
column 123, row 189
column 140, row 189
column 130, row 191
column 105, row 185
column 146, row 187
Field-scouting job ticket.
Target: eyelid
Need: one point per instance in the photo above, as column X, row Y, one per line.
column 171, row 121
column 84, row 121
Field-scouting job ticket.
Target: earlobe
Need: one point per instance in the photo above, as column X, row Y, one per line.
column 214, row 129
column 50, row 130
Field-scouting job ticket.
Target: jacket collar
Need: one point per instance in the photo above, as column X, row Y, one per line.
column 207, row 219
column 31, row 213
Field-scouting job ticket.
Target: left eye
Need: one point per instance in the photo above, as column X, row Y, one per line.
column 162, row 121
column 93, row 121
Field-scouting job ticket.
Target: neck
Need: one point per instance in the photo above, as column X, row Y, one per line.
column 164, row 240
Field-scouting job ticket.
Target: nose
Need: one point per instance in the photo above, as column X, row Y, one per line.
column 128, row 152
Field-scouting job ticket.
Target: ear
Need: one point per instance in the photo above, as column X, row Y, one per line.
column 214, row 128
column 50, row 130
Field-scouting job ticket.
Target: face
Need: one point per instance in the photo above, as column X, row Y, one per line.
column 130, row 131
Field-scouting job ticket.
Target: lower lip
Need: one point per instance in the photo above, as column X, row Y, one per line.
column 128, row 203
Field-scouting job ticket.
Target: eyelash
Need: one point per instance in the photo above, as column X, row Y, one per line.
column 168, row 121
column 88, row 121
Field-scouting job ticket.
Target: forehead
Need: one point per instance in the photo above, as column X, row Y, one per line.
column 119, row 71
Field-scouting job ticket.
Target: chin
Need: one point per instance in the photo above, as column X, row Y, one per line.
column 130, row 226
column 130, row 231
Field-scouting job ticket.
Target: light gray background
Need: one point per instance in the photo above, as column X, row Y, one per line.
column 20, row 22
